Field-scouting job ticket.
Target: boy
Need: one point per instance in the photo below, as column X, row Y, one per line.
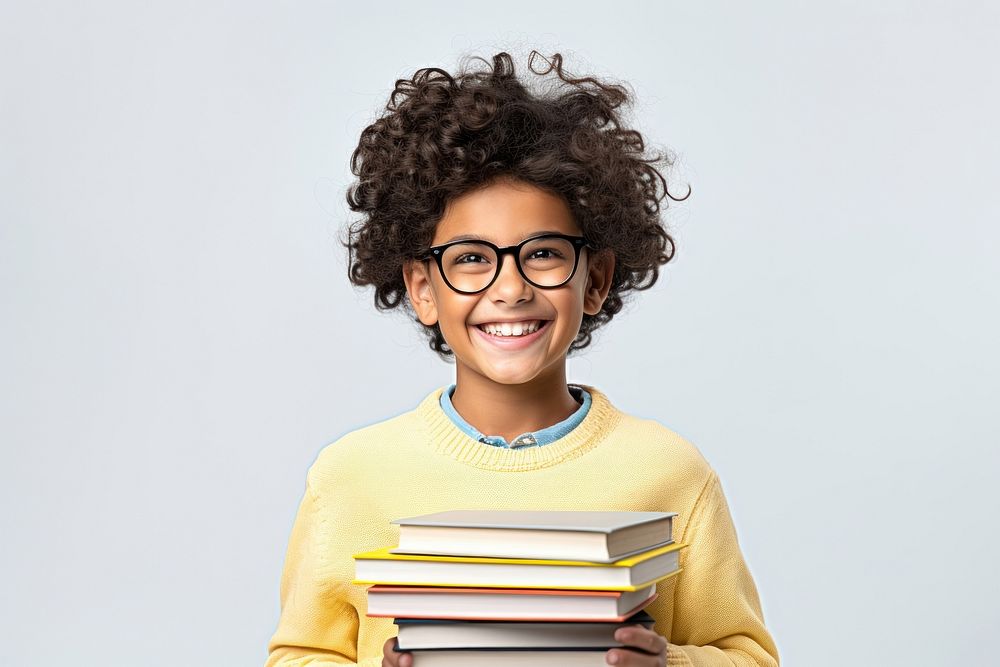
column 511, row 224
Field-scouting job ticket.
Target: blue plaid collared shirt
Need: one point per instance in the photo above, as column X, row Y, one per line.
column 529, row 439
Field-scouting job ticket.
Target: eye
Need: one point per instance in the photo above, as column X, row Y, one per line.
column 545, row 253
column 461, row 259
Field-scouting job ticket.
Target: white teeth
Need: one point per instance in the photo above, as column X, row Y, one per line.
column 511, row 329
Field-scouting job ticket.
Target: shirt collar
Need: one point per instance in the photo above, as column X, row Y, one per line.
column 531, row 438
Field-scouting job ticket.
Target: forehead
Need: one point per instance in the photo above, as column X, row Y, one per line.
column 504, row 213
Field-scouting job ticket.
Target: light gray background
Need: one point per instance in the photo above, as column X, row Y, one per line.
column 179, row 339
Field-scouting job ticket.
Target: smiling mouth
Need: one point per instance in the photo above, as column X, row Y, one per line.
column 512, row 329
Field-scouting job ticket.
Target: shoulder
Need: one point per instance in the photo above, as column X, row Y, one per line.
column 360, row 449
column 667, row 447
column 661, row 446
column 662, row 441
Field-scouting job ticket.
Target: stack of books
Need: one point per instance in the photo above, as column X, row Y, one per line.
column 508, row 587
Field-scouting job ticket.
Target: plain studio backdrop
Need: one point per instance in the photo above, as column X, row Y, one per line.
column 179, row 338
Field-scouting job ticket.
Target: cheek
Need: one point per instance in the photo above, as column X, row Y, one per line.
column 454, row 313
column 570, row 317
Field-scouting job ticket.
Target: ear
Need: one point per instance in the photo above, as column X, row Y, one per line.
column 420, row 291
column 600, row 269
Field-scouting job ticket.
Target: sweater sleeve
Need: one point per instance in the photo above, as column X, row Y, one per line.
column 316, row 628
column 717, row 613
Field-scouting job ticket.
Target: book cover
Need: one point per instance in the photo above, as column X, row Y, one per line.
column 573, row 520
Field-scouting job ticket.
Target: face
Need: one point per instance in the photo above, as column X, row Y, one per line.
column 505, row 213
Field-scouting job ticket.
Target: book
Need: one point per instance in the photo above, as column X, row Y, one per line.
column 495, row 604
column 382, row 566
column 420, row 633
column 539, row 657
column 596, row 536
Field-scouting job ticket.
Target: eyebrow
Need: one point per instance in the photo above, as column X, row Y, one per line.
column 472, row 237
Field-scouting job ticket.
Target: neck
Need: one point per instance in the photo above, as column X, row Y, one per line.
column 509, row 410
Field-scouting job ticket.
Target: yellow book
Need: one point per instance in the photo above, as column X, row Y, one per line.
column 382, row 566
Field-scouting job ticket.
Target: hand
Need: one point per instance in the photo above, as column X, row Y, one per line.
column 652, row 648
column 392, row 658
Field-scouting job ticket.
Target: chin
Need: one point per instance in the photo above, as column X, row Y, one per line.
column 511, row 378
column 515, row 373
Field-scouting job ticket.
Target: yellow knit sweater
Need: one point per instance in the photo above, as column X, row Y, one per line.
column 420, row 462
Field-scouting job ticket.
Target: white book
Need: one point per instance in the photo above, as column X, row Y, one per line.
column 597, row 536
column 511, row 658
column 437, row 633
column 506, row 604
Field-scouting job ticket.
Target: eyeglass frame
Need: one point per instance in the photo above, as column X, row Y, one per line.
column 437, row 253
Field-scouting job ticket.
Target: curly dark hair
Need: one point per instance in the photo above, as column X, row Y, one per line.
column 442, row 136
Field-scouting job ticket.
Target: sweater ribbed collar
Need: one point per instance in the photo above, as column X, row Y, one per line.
column 449, row 440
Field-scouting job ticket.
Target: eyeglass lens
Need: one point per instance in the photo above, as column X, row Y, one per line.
column 470, row 267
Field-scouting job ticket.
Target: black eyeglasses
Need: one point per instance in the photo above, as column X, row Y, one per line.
column 546, row 261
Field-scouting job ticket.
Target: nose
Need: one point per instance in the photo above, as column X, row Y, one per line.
column 510, row 286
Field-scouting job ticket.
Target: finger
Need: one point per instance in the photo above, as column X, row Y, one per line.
column 627, row 657
column 657, row 643
column 392, row 657
column 387, row 652
column 387, row 646
column 400, row 658
column 642, row 638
